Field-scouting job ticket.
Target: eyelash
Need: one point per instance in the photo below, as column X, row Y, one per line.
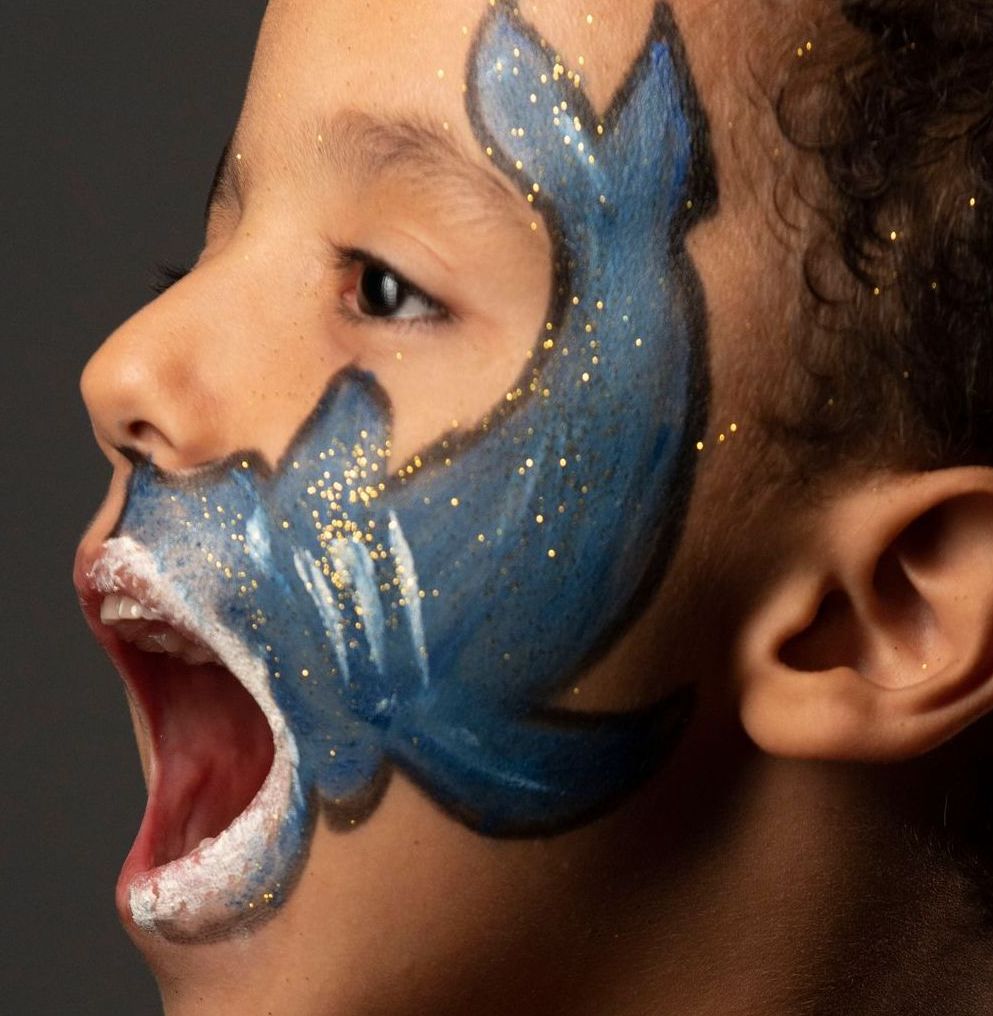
column 351, row 258
column 166, row 274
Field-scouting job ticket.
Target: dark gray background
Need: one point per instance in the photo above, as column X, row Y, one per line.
column 112, row 116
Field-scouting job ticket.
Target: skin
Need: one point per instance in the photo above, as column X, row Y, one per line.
column 677, row 901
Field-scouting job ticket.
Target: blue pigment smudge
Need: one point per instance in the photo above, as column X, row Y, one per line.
column 427, row 618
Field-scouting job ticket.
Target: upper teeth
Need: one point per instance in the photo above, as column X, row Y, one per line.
column 117, row 608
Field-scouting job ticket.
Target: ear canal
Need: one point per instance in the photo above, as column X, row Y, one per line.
column 878, row 643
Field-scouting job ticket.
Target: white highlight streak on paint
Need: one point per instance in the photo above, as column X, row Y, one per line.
column 323, row 599
column 355, row 560
column 411, row 589
column 257, row 541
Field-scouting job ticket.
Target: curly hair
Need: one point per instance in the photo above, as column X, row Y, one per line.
column 898, row 115
column 895, row 352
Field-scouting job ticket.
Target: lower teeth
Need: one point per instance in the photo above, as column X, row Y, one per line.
column 173, row 643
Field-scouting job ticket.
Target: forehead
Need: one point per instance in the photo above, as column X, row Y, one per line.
column 409, row 58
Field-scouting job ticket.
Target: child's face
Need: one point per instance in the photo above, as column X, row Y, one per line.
column 515, row 341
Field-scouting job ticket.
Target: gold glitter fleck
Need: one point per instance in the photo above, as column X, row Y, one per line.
column 455, row 502
column 893, row 234
column 639, row 342
column 519, row 164
column 534, row 98
column 305, row 672
column 481, row 537
column 562, row 463
column 586, row 376
column 733, row 428
column 534, row 227
column 589, row 19
column 699, row 446
column 551, row 552
column 238, row 156
column 972, row 202
column 539, row 519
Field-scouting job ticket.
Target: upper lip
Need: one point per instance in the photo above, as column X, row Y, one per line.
column 90, row 598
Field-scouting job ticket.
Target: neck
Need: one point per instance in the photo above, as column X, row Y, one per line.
column 809, row 893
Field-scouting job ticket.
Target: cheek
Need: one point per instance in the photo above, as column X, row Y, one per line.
column 450, row 376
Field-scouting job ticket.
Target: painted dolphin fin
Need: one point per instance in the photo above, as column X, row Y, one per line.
column 352, row 420
column 571, row 158
column 512, row 777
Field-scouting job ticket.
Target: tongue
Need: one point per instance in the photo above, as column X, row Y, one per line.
column 214, row 750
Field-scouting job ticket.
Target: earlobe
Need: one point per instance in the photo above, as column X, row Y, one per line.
column 875, row 643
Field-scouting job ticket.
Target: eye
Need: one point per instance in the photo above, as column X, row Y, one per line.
column 382, row 293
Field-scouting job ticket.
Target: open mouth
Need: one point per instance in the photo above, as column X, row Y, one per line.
column 212, row 850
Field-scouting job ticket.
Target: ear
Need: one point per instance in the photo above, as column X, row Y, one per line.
column 876, row 641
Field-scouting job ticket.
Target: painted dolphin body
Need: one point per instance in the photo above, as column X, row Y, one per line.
column 428, row 618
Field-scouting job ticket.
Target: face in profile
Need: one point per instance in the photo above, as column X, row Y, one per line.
column 397, row 466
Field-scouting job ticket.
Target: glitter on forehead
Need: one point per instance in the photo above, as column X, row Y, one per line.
column 426, row 614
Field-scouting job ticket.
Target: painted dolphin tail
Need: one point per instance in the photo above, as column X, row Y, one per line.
column 537, row 776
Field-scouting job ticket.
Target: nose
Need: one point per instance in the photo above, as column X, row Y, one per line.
column 135, row 388
column 142, row 393
column 207, row 369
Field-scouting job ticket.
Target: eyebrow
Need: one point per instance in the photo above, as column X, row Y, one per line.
column 364, row 148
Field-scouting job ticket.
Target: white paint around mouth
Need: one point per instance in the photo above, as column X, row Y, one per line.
column 210, row 885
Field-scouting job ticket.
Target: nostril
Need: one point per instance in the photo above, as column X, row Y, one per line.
column 145, row 435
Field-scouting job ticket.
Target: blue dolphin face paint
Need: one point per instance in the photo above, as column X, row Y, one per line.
column 426, row 618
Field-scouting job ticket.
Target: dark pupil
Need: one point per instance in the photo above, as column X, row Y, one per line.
column 379, row 292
